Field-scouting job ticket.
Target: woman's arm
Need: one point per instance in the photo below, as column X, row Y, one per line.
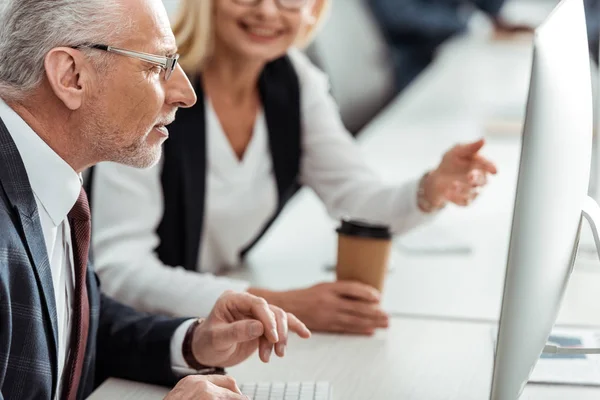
column 333, row 165
column 127, row 207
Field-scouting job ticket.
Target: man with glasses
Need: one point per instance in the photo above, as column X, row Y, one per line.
column 69, row 99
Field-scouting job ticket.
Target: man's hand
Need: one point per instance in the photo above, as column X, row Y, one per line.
column 199, row 387
column 460, row 175
column 341, row 307
column 238, row 325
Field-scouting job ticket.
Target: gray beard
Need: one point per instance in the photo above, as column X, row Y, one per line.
column 107, row 145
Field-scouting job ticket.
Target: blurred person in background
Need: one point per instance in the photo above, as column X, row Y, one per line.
column 264, row 124
column 415, row 29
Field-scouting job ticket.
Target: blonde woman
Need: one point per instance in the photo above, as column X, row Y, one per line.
column 264, row 124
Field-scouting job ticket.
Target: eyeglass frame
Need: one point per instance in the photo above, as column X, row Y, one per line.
column 167, row 63
column 253, row 3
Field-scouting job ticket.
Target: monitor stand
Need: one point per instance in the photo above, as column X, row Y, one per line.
column 591, row 212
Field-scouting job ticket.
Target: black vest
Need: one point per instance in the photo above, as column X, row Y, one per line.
column 184, row 163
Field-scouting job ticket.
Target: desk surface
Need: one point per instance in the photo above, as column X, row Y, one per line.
column 416, row 359
column 439, row 344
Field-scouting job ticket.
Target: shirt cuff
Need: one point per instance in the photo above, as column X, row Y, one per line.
column 410, row 214
column 178, row 364
column 413, row 188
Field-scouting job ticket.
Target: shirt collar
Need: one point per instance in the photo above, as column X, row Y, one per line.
column 53, row 181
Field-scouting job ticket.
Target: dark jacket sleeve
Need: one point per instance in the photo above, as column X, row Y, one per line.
column 133, row 345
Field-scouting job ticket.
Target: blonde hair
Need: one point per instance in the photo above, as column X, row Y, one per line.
column 193, row 31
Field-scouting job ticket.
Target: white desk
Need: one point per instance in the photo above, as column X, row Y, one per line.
column 414, row 360
column 439, row 345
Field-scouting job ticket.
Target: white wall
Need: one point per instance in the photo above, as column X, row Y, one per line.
column 171, row 6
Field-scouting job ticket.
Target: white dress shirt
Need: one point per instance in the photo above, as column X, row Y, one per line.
column 56, row 187
column 241, row 196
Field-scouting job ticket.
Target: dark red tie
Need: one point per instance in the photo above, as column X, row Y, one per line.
column 79, row 221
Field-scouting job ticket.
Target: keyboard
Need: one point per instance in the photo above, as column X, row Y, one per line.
column 288, row 391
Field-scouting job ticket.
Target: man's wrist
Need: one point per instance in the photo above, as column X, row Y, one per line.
column 189, row 355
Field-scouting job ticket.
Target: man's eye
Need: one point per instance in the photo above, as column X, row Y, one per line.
column 156, row 69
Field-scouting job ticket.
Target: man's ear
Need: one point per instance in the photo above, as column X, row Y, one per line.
column 65, row 71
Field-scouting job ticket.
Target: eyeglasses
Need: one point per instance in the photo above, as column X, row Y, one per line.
column 283, row 4
column 167, row 63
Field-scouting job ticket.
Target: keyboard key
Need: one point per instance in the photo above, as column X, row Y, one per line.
column 287, row 391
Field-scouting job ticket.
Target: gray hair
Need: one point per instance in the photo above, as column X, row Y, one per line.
column 29, row 29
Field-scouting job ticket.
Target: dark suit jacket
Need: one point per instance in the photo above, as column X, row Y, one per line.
column 121, row 343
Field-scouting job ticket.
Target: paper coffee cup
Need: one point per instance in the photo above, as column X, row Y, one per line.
column 363, row 252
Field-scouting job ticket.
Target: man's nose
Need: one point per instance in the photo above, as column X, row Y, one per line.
column 179, row 90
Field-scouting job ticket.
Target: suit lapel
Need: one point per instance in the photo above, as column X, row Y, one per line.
column 13, row 178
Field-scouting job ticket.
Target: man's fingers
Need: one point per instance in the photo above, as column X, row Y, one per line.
column 226, row 382
column 199, row 386
column 356, row 290
column 298, row 327
column 265, row 349
column 256, row 308
column 237, row 332
column 263, row 313
column 282, row 330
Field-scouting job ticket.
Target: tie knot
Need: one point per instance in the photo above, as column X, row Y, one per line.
column 81, row 209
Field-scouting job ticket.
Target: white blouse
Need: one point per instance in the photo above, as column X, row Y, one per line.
column 241, row 196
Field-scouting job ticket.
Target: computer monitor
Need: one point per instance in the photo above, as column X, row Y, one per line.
column 551, row 196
